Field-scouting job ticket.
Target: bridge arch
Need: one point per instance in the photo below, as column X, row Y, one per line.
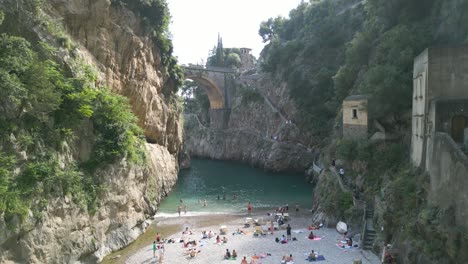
column 212, row 90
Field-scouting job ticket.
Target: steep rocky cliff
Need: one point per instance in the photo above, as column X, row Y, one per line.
column 260, row 131
column 112, row 39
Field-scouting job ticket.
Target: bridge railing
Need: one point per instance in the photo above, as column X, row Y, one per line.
column 209, row 68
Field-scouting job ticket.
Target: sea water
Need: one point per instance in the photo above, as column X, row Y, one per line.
column 236, row 185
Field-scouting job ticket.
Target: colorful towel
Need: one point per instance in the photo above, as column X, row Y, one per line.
column 319, row 258
column 315, row 238
column 343, row 246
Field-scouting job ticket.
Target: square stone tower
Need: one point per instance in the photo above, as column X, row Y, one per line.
column 440, row 98
column 355, row 117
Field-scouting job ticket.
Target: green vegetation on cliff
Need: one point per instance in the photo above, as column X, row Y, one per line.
column 156, row 17
column 43, row 111
column 327, row 50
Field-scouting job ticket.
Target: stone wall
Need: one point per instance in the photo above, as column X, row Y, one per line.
column 448, row 167
column 354, row 131
column 219, row 118
column 448, row 72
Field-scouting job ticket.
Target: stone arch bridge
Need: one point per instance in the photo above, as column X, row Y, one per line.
column 219, row 85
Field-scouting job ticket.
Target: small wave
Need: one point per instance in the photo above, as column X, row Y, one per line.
column 189, row 214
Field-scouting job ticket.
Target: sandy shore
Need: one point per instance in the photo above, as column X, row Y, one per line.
column 248, row 245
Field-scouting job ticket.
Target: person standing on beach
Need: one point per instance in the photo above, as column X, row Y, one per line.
column 178, row 209
column 249, row 208
column 288, row 232
column 185, row 208
column 161, row 253
column 244, row 260
column 154, row 249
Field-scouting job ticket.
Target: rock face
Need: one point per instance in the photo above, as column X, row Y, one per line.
column 112, row 39
column 260, row 132
column 67, row 234
column 128, row 60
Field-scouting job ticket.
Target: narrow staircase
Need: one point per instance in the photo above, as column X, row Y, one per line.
column 369, row 233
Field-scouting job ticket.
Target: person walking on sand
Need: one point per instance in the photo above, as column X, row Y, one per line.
column 185, row 208
column 161, row 253
column 178, row 209
column 154, row 249
column 249, row 208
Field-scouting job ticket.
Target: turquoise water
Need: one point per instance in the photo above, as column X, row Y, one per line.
column 208, row 178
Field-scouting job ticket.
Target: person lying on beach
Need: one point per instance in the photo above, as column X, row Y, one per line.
column 190, row 242
column 315, row 227
column 238, row 232
column 187, row 232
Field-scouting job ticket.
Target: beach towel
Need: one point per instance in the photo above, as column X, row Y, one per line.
column 343, row 246
column 315, row 238
column 319, row 258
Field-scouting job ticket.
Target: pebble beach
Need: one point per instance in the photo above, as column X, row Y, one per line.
column 263, row 248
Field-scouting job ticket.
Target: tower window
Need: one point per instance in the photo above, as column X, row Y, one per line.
column 354, row 113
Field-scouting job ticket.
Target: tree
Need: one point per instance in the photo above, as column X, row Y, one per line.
column 233, row 60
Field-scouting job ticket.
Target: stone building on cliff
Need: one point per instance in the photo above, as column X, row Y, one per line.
column 440, row 125
column 355, row 117
column 248, row 61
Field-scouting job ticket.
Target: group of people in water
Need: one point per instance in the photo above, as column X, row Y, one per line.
column 234, row 197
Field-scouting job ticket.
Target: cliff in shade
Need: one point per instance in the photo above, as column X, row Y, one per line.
column 259, row 131
column 110, row 39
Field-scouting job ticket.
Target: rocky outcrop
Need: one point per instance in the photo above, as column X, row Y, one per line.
column 111, row 38
column 68, row 234
column 260, row 130
column 245, row 146
column 129, row 63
